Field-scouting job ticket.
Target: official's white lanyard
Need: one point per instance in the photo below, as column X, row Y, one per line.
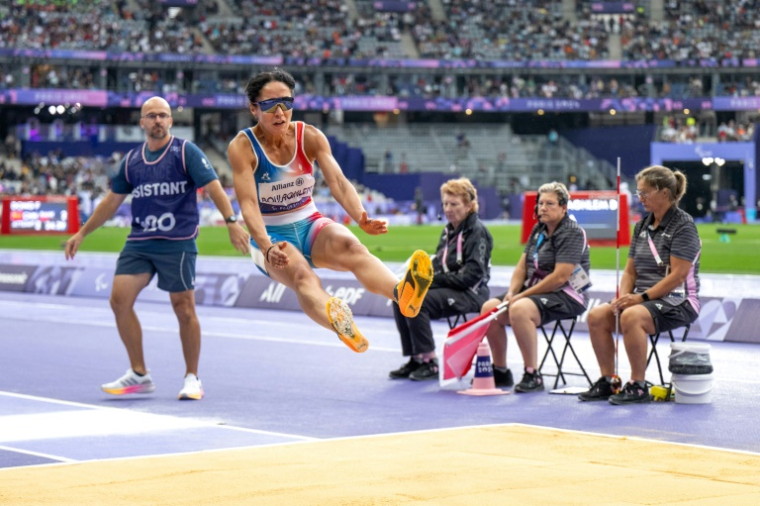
column 446, row 251
column 677, row 292
column 656, row 255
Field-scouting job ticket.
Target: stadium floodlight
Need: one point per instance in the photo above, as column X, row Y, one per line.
column 51, row 109
column 720, row 162
column 61, row 109
column 708, row 160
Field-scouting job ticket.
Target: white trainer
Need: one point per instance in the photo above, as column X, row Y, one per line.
column 130, row 383
column 193, row 389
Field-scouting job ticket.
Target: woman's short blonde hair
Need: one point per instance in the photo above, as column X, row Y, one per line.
column 463, row 188
column 559, row 189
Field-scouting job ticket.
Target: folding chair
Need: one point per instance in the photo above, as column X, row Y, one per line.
column 456, row 320
column 550, row 350
column 654, row 339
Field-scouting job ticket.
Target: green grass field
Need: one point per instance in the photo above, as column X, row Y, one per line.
column 737, row 257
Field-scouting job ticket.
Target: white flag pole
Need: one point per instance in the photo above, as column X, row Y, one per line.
column 617, row 268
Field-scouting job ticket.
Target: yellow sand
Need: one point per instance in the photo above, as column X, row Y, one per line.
column 505, row 465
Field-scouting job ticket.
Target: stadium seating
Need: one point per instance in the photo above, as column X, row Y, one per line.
column 519, row 30
column 466, row 33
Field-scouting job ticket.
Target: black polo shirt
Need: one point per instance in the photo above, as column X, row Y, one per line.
column 566, row 245
column 675, row 236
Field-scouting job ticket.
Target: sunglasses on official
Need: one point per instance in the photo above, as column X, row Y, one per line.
column 271, row 105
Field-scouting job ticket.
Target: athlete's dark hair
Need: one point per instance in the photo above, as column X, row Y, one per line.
column 257, row 83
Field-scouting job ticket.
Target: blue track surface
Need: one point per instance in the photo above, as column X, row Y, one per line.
column 274, row 377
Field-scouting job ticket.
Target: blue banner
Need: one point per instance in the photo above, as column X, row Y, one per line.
column 736, row 103
column 95, row 98
column 179, row 3
column 394, row 6
column 612, row 7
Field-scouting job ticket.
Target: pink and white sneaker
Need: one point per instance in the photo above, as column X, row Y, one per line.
column 193, row 389
column 130, row 383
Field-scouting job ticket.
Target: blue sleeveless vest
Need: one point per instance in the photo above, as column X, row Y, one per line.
column 164, row 203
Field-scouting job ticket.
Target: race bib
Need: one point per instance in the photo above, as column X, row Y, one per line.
column 289, row 190
column 579, row 279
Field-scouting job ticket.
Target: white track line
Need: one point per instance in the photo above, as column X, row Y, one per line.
column 639, row 438
column 206, row 423
column 424, row 431
column 212, row 333
column 750, row 359
column 36, row 454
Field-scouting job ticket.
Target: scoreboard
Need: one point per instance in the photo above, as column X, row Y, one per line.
column 50, row 214
column 595, row 211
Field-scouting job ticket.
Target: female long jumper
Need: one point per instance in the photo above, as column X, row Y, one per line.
column 273, row 173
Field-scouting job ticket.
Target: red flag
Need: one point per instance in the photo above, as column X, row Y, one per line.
column 462, row 344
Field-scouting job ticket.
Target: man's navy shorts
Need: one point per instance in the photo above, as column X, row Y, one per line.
column 176, row 271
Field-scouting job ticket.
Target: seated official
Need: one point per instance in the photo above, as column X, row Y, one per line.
column 659, row 288
column 461, row 271
column 544, row 287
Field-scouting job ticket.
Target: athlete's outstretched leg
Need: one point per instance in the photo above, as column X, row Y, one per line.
column 337, row 248
column 329, row 312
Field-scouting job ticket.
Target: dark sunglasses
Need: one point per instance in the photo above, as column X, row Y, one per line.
column 271, row 105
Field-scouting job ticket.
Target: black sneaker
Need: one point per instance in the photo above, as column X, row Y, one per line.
column 531, row 382
column 405, row 370
column 503, row 379
column 632, row 393
column 426, row 371
column 601, row 391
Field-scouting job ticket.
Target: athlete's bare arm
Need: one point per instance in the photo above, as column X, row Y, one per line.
column 318, row 148
column 244, row 163
column 105, row 210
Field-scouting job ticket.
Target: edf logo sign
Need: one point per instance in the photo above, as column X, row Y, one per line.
column 348, row 295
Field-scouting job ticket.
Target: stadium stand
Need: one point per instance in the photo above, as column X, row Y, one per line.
column 525, row 57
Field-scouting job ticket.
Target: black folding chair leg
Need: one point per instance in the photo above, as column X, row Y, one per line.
column 569, row 345
column 652, row 352
column 567, row 334
column 653, row 340
column 550, row 349
column 583, row 370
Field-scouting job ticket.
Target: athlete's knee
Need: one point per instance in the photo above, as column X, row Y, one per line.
column 303, row 276
column 355, row 251
column 120, row 302
column 184, row 308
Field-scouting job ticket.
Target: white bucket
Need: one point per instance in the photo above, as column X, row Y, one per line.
column 690, row 359
column 693, row 388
